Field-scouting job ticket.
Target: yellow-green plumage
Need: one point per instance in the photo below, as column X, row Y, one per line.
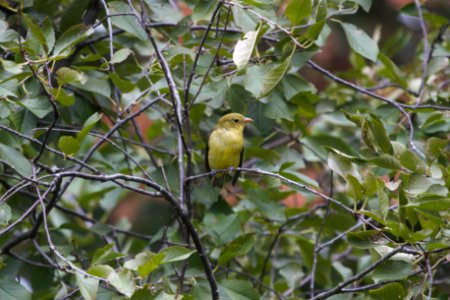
column 226, row 145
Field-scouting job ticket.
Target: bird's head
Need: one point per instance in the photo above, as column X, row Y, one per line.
column 233, row 121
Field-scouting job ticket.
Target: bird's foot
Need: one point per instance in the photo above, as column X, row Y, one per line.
column 231, row 169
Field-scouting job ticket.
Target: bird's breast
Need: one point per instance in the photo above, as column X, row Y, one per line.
column 225, row 147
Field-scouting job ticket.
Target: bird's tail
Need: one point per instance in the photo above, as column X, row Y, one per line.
column 218, row 180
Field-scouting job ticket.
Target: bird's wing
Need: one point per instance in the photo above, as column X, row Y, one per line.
column 237, row 173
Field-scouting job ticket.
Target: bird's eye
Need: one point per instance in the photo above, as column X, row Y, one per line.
column 236, row 120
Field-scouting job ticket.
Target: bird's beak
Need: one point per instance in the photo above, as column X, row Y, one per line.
column 247, row 120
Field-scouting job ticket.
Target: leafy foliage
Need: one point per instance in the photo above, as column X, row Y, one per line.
column 105, row 110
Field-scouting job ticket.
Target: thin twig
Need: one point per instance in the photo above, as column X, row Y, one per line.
column 282, row 178
column 199, row 52
column 357, row 276
column 29, row 262
column 429, row 276
column 426, row 51
column 172, row 201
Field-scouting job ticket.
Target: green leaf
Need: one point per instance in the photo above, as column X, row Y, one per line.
column 365, row 4
column 200, row 290
column 292, row 273
column 7, row 93
column 145, row 262
column 39, row 106
column 49, row 34
column 238, row 247
column 35, row 29
column 222, row 228
column 120, row 55
column 105, row 254
column 147, row 294
column 63, row 98
column 399, row 229
column 383, row 200
column 237, row 289
column 68, row 144
column 16, row 160
column 238, row 98
column 277, row 108
column 125, row 86
column 243, row 19
column 380, row 135
column 165, row 12
column 88, row 286
column 5, row 214
column 297, row 10
column 66, row 75
column 433, row 202
column 322, row 10
column 411, row 161
column 175, row 253
column 266, row 205
column 418, row 184
column 274, row 76
column 385, row 161
column 294, row 86
column 360, row 42
column 435, row 147
column 433, row 119
column 392, row 270
column 202, row 10
column 324, row 140
column 390, row 291
column 73, row 13
column 367, row 135
column 88, row 125
column 244, row 49
column 357, row 119
column 342, row 165
column 127, row 23
column 123, row 281
column 10, row 289
column 260, row 80
column 384, row 250
column 399, row 148
column 94, row 85
column 392, row 71
column 102, row 271
column 370, row 184
column 362, row 239
column 8, row 35
column 312, row 34
column 71, row 37
column 355, row 187
column 254, row 79
column 304, row 105
column 433, row 218
column 301, row 178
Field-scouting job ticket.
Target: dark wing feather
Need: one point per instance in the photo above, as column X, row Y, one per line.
column 237, row 173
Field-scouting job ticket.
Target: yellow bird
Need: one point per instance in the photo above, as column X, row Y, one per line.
column 225, row 147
